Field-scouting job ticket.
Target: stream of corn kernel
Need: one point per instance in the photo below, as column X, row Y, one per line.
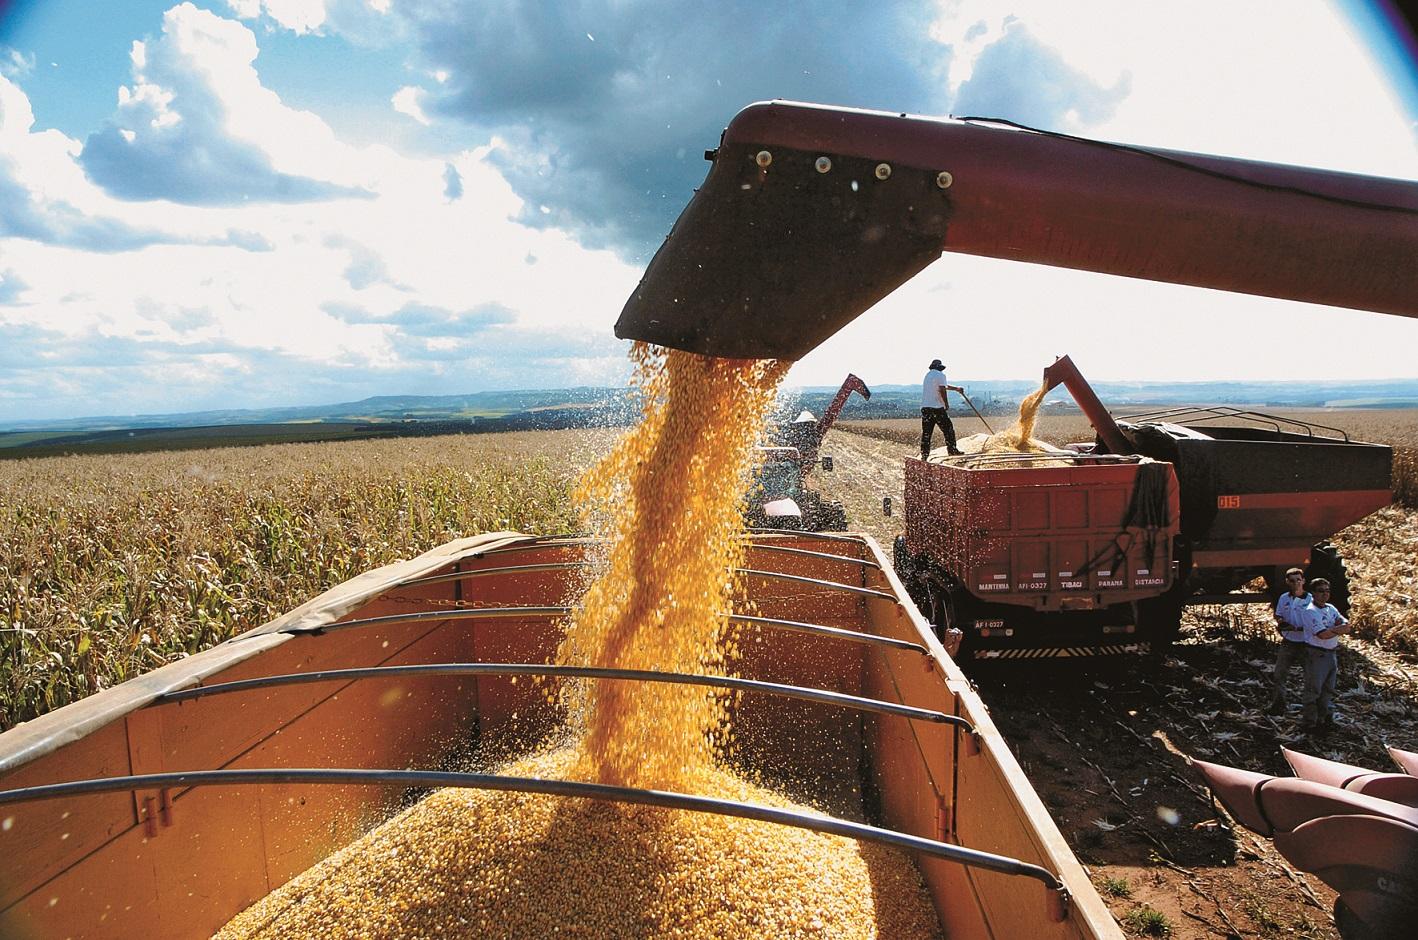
column 469, row 863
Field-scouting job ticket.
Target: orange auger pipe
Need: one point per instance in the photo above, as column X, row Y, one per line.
column 1064, row 372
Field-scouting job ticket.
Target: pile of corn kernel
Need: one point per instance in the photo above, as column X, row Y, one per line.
column 468, row 863
column 471, row 863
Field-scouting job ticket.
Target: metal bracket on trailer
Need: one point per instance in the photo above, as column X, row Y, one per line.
column 488, row 613
column 821, row 696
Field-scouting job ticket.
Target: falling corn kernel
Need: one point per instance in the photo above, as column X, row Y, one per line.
column 668, row 499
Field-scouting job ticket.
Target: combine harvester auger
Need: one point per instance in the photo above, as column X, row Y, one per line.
column 162, row 807
column 781, row 497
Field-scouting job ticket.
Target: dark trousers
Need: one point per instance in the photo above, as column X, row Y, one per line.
column 1321, row 668
column 931, row 418
column 1290, row 655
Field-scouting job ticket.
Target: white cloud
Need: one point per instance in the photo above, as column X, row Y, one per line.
column 127, row 304
column 1237, row 81
column 300, row 16
column 198, row 126
column 15, row 64
column 407, row 101
column 254, row 292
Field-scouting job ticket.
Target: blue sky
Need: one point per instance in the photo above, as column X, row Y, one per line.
column 234, row 203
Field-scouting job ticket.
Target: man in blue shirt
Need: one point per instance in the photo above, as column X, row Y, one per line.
column 1324, row 625
column 1293, row 649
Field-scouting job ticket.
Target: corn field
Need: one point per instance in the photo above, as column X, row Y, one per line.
column 112, row 566
column 1405, row 476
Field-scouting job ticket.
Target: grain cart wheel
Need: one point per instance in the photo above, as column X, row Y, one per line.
column 1159, row 620
column 1327, row 563
column 945, row 617
column 909, row 570
column 827, row 516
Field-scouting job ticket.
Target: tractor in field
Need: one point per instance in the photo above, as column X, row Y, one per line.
column 781, row 497
column 1098, row 548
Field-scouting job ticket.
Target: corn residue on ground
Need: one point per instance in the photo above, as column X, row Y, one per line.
column 468, row 863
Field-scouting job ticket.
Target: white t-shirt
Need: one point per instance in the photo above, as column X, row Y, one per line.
column 1318, row 619
column 931, row 387
column 1288, row 609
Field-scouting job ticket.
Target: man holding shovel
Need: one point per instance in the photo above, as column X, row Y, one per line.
column 935, row 409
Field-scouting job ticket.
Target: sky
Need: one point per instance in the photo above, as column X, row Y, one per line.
column 251, row 203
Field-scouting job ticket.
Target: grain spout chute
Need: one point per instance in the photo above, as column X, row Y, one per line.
column 812, row 214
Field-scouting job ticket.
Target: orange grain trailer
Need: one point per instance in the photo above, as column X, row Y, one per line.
column 166, row 805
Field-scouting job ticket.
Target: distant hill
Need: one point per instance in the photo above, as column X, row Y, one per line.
column 1003, row 396
column 588, row 406
column 368, row 410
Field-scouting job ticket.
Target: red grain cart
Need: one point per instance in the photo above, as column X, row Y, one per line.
column 1033, row 554
column 1098, row 549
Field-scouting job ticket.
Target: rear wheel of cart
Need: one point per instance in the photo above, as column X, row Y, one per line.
column 1327, row 563
column 1159, row 620
column 829, row 516
column 910, row 570
column 945, row 617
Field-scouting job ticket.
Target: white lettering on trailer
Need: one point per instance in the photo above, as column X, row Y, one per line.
column 1071, row 585
column 1110, row 582
column 992, row 586
column 1033, row 586
column 1149, row 582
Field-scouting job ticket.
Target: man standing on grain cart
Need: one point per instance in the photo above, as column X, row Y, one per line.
column 935, row 409
column 1293, row 648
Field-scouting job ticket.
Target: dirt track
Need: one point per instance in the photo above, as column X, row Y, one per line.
column 1106, row 746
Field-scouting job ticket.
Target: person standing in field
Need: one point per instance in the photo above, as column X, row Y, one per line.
column 1324, row 625
column 935, row 409
column 1293, row 648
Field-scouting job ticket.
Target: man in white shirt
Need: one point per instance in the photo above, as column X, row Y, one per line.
column 934, row 408
column 1293, row 648
column 1324, row 625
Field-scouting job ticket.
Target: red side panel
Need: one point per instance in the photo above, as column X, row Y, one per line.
column 1047, row 537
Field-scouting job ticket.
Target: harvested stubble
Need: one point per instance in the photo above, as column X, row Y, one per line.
column 470, row 863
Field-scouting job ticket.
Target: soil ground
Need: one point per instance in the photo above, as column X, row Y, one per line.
column 1107, row 745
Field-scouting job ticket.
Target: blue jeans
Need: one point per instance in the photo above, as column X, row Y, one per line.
column 1321, row 669
column 1290, row 655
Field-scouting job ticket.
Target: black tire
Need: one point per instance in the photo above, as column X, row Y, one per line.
column 908, row 569
column 943, row 612
column 1327, row 563
column 1159, row 620
column 902, row 560
column 829, row 517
